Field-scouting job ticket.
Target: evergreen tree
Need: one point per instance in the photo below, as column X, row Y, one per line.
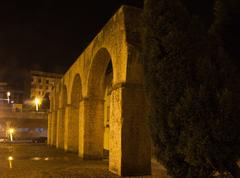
column 224, row 40
column 173, row 43
column 188, row 76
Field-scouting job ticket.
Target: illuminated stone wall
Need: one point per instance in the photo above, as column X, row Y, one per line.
column 107, row 104
column 109, row 87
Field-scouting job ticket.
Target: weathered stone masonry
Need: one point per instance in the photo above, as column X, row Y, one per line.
column 99, row 103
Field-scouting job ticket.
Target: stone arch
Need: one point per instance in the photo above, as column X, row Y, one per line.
column 99, row 79
column 96, row 77
column 73, row 121
column 108, row 84
column 117, row 43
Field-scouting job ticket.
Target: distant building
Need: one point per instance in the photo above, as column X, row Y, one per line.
column 4, row 88
column 9, row 95
column 18, row 112
column 41, row 83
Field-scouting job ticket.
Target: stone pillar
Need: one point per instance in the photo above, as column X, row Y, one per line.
column 49, row 128
column 73, row 129
column 66, row 119
column 59, row 128
column 129, row 140
column 81, row 129
column 91, row 128
column 52, row 122
column 54, row 128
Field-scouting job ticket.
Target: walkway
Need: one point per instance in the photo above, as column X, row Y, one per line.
column 41, row 161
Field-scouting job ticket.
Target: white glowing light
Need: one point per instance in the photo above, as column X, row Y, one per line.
column 11, row 131
column 37, row 102
column 8, row 96
column 10, row 158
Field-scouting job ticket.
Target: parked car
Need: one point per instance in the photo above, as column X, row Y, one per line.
column 39, row 140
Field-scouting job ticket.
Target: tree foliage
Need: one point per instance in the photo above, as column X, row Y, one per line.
column 189, row 76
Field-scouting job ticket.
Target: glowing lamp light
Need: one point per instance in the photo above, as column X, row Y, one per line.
column 8, row 96
column 37, row 103
column 11, row 131
column 10, row 159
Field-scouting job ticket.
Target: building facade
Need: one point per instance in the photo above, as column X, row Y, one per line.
column 42, row 83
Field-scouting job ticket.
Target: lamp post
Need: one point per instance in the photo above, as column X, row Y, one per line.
column 10, row 159
column 11, row 131
column 37, row 102
column 8, row 96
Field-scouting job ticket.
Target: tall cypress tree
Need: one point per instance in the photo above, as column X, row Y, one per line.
column 224, row 40
column 173, row 42
column 188, row 78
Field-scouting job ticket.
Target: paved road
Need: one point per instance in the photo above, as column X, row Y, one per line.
column 41, row 161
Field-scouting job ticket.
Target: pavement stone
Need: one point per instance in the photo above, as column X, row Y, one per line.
column 41, row 161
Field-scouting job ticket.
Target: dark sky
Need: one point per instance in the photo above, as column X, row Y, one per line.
column 49, row 34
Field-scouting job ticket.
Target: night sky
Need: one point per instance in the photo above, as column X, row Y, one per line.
column 49, row 35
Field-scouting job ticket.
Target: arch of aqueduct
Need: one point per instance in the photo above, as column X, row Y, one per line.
column 99, row 103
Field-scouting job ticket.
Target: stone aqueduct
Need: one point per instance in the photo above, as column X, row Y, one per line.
column 99, row 103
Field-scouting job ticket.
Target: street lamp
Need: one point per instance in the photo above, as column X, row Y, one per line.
column 37, row 102
column 11, row 131
column 8, row 96
column 10, row 159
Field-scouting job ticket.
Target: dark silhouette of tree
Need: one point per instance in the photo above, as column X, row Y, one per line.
column 224, row 38
column 188, row 79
